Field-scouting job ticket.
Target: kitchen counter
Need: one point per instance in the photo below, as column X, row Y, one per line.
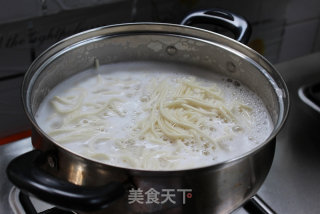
column 292, row 185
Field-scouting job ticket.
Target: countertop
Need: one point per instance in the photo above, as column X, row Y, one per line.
column 292, row 185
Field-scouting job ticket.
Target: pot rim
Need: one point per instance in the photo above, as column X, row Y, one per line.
column 196, row 33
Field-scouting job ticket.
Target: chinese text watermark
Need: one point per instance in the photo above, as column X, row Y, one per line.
column 153, row 196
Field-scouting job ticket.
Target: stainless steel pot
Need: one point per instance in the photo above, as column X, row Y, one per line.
column 64, row 178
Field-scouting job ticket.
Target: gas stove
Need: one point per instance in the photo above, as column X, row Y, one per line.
column 292, row 185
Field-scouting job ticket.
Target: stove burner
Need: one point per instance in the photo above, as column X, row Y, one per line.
column 258, row 206
column 21, row 203
column 29, row 208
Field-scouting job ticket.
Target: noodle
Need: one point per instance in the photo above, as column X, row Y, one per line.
column 159, row 123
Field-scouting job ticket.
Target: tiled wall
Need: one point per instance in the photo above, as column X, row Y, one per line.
column 302, row 29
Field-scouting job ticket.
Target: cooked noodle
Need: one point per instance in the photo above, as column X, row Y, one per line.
column 171, row 116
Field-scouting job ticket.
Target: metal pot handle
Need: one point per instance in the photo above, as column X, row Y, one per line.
column 25, row 172
column 238, row 25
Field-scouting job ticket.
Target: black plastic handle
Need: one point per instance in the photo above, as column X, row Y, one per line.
column 25, row 172
column 238, row 25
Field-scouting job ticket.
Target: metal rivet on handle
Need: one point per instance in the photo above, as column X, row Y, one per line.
column 51, row 162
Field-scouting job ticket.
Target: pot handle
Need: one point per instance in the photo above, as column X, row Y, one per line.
column 25, row 172
column 238, row 25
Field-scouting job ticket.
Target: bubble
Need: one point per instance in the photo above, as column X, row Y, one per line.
column 171, row 50
column 237, row 129
column 165, row 139
column 236, row 83
column 137, row 87
column 56, row 124
column 144, row 98
column 205, row 152
column 141, row 138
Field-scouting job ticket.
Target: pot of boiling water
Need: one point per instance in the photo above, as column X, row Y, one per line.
column 65, row 178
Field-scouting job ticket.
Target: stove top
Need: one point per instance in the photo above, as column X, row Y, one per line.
column 292, row 185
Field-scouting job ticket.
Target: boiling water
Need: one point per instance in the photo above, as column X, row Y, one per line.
column 154, row 116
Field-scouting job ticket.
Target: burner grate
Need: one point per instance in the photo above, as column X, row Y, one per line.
column 29, row 208
column 257, row 206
